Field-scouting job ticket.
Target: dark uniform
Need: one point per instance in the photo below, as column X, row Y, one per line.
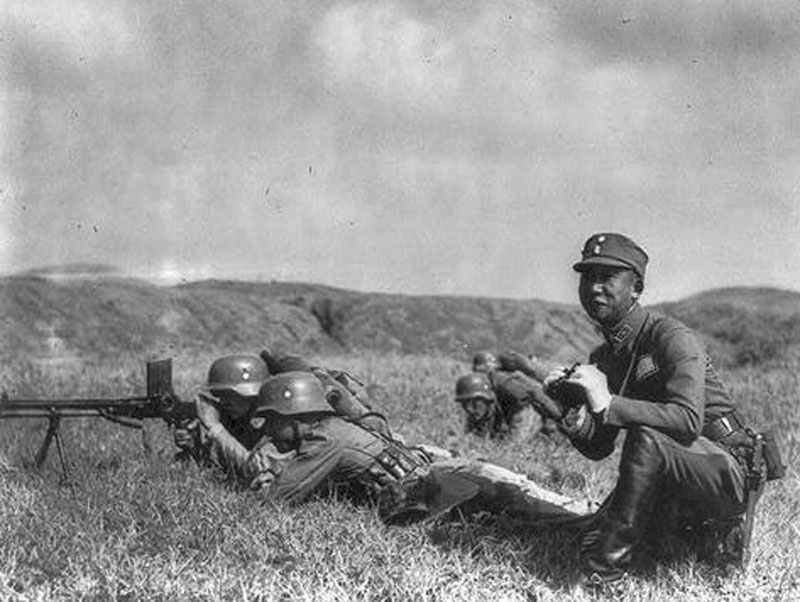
column 674, row 408
column 684, row 445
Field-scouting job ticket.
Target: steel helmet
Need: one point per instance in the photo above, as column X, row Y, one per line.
column 474, row 385
column 485, row 361
column 292, row 393
column 240, row 373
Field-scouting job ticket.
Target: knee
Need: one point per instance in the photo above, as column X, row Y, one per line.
column 642, row 440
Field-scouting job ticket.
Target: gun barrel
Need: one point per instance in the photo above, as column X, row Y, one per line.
column 63, row 405
column 46, row 413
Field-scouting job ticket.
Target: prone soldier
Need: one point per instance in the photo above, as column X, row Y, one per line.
column 323, row 450
column 687, row 448
column 221, row 435
column 500, row 402
column 346, row 394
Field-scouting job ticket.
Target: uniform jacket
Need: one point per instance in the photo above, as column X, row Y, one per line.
column 332, row 451
column 660, row 376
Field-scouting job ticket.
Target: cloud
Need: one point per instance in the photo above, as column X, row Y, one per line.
column 380, row 49
column 713, row 31
column 84, row 30
column 422, row 146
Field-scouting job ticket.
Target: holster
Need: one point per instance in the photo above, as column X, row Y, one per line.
column 758, row 453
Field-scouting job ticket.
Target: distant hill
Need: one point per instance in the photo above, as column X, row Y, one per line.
column 46, row 318
column 744, row 325
column 50, row 319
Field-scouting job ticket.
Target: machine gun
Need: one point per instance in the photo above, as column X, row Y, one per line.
column 160, row 401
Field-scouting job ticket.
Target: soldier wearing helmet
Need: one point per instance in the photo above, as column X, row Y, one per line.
column 345, row 393
column 498, row 402
column 221, row 434
column 485, row 361
column 409, row 483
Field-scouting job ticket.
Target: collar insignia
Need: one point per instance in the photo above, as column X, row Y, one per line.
column 621, row 333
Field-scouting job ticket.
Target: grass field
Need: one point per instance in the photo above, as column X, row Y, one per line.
column 136, row 527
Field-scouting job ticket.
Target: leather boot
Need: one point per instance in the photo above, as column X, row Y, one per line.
column 607, row 550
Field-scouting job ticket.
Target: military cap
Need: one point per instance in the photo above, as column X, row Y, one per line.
column 612, row 249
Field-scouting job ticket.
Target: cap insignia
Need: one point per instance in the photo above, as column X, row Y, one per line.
column 245, row 374
column 287, row 393
column 596, row 250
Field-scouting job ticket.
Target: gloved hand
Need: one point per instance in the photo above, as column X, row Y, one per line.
column 595, row 384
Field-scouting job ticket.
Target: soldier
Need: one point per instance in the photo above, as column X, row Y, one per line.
column 498, row 401
column 323, row 450
column 222, row 435
column 345, row 393
column 685, row 441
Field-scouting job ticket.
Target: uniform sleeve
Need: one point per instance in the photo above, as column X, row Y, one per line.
column 677, row 408
column 265, row 463
column 587, row 433
column 296, row 479
column 514, row 389
column 226, row 450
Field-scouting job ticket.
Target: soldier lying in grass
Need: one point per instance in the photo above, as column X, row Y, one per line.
column 232, row 388
column 307, row 448
column 500, row 403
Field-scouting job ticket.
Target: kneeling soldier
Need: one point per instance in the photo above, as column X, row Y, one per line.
column 323, row 450
column 685, row 441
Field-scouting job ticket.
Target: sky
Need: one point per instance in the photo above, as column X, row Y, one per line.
column 425, row 147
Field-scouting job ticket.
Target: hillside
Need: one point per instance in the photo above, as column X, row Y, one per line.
column 744, row 325
column 53, row 320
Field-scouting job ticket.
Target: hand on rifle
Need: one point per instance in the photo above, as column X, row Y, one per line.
column 184, row 434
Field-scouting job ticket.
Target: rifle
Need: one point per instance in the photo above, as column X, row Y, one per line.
column 160, row 401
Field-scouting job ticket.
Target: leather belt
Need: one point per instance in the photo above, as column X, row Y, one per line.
column 723, row 426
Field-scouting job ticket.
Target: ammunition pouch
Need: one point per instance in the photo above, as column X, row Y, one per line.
column 397, row 463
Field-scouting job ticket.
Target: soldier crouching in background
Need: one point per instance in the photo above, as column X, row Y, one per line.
column 500, row 403
column 688, row 453
column 320, row 451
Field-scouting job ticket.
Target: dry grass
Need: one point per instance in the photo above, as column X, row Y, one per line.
column 138, row 528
